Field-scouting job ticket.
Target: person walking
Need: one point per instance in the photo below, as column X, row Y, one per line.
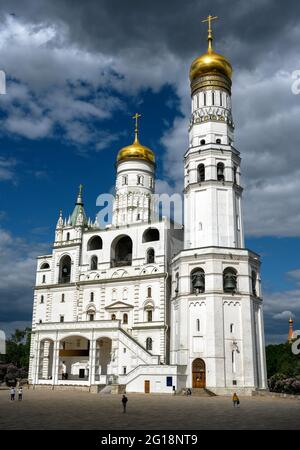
column 235, row 400
column 12, row 393
column 124, row 402
column 20, row 394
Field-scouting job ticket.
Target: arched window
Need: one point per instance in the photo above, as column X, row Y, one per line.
column 177, row 283
column 149, row 343
column 91, row 316
column 68, row 236
column 149, row 315
column 94, row 262
column 198, row 281
column 92, row 296
column 65, row 269
column 201, row 173
column 218, row 141
column 235, row 175
column 253, row 282
column 150, row 256
column 125, row 319
column 230, row 280
column 121, row 252
column 140, row 180
column 44, row 266
column 198, row 324
column 113, row 317
column 42, row 299
column 149, row 292
column 95, row 243
column 220, row 172
column 151, row 235
column 202, row 142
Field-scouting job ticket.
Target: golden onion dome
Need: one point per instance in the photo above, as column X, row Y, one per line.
column 136, row 150
column 210, row 62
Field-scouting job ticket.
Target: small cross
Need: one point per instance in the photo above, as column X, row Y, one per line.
column 209, row 19
column 136, row 117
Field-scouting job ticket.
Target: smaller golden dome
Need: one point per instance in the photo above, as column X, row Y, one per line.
column 136, row 150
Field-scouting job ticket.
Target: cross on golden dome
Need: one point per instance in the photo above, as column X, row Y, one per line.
column 136, row 150
column 136, row 130
column 209, row 19
column 210, row 62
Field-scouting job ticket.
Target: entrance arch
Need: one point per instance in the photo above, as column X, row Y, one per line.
column 46, row 359
column 74, row 353
column 199, row 373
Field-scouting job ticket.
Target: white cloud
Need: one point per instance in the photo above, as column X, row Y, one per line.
column 7, row 169
column 284, row 315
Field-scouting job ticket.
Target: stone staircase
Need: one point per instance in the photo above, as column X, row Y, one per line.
column 202, row 392
column 112, row 389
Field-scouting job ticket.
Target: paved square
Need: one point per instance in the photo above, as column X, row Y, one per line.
column 83, row 411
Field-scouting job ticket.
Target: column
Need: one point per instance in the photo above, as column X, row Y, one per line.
column 45, row 345
column 55, row 362
column 92, row 361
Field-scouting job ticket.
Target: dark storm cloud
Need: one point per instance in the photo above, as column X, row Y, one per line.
column 256, row 27
column 150, row 43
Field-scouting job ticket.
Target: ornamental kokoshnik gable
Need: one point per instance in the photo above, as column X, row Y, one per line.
column 142, row 305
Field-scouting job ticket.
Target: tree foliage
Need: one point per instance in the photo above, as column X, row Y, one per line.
column 281, row 360
column 18, row 349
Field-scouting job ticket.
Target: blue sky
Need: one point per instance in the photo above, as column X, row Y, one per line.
column 74, row 79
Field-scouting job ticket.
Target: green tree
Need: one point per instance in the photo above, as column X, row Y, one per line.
column 18, row 348
column 281, row 360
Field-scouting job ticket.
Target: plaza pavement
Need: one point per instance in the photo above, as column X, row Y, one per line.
column 42, row 409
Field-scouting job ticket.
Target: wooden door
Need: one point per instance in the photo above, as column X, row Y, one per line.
column 199, row 376
column 147, row 386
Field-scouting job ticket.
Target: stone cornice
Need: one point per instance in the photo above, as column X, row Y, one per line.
column 103, row 281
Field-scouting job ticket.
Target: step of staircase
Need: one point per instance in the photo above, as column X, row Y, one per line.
column 202, row 392
column 113, row 389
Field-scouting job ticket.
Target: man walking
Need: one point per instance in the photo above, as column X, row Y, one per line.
column 12, row 393
column 124, row 402
column 20, row 394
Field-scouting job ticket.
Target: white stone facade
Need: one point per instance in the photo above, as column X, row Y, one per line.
column 147, row 306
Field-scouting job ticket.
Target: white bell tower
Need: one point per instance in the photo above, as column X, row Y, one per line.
column 212, row 190
column 217, row 335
